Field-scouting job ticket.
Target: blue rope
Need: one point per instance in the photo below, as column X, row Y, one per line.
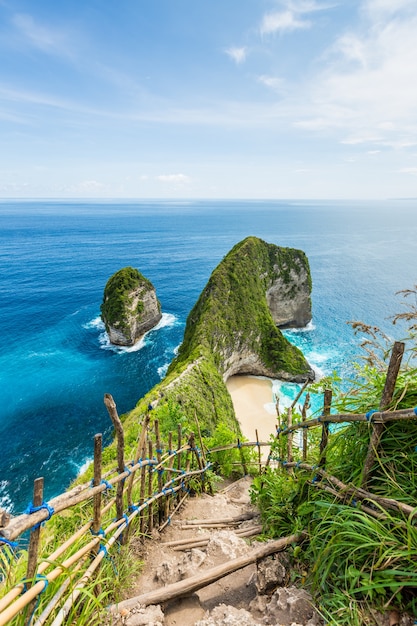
column 11, row 544
column 106, row 482
column 132, row 507
column 126, row 519
column 159, row 451
column 369, row 415
column 415, row 413
column 46, row 583
column 34, row 509
column 103, row 549
column 128, row 471
column 100, row 532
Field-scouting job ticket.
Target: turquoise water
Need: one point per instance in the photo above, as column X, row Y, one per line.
column 55, row 361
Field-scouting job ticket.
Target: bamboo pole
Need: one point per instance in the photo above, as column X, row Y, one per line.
column 96, row 481
column 39, row 586
column 179, row 442
column 259, row 452
column 143, row 486
column 242, row 458
column 387, row 395
column 150, row 481
column 169, row 474
column 159, row 470
column 203, row 540
column 17, row 590
column 112, row 410
column 289, row 438
column 300, row 393
column 41, row 620
column 304, row 410
column 194, row 583
column 138, row 454
column 177, row 507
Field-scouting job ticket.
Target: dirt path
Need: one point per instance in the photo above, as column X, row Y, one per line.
column 240, row 598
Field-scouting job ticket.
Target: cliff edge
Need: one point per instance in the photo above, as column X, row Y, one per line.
column 256, row 288
column 232, row 329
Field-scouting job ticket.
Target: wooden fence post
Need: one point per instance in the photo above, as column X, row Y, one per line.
column 289, row 436
column 139, row 453
column 387, row 395
column 325, row 430
column 33, row 546
column 304, row 410
column 111, row 408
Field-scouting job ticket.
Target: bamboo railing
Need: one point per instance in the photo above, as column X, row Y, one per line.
column 146, row 492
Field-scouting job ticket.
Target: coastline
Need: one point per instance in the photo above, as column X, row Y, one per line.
column 250, row 396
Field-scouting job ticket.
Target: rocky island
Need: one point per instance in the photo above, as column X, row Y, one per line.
column 130, row 307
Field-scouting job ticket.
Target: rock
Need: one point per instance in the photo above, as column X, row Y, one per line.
column 289, row 605
column 271, row 573
column 223, row 615
column 226, row 543
column 130, row 307
column 145, row 616
column 170, row 571
column 289, row 299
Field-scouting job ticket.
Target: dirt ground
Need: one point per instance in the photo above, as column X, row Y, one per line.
column 234, row 595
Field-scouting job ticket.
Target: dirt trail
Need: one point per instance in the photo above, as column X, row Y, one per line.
column 241, row 597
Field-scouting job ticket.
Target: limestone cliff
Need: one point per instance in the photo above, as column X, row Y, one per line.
column 130, row 307
column 257, row 287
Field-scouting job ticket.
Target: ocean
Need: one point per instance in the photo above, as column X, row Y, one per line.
column 56, row 363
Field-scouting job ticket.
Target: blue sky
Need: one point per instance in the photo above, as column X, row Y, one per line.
column 208, row 98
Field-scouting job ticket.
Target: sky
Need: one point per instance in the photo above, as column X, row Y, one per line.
column 208, row 99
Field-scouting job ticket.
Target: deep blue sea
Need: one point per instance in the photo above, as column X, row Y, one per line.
column 56, row 257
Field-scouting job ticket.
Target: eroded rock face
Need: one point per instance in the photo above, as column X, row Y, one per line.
column 130, row 307
column 289, row 301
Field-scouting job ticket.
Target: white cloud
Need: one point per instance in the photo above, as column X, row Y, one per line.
column 291, row 18
column 409, row 170
column 174, row 178
column 367, row 88
column 90, row 186
column 47, row 39
column 281, row 22
column 237, row 54
column 273, row 82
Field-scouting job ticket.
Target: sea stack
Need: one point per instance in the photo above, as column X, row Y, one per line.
column 257, row 289
column 130, row 307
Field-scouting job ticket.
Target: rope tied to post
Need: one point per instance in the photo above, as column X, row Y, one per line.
column 34, row 509
column 369, row 414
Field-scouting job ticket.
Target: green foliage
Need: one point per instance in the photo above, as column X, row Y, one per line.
column 232, row 313
column 226, row 462
column 116, row 296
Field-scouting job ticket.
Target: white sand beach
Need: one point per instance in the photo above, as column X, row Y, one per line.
column 250, row 396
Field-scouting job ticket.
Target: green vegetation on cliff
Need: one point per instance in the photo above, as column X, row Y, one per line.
column 231, row 318
column 116, row 298
column 230, row 324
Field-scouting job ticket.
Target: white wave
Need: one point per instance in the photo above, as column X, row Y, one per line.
column 305, row 329
column 83, row 467
column 97, row 322
column 162, row 370
column 167, row 320
column 5, row 500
